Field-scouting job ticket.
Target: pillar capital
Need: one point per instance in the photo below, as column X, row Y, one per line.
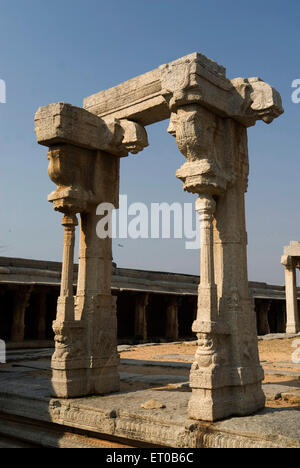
column 205, row 204
column 70, row 221
column 79, row 145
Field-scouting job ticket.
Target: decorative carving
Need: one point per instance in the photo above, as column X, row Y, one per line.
column 206, row 354
column 69, row 341
column 182, row 80
column 211, row 352
column 196, row 133
column 259, row 101
column 135, row 137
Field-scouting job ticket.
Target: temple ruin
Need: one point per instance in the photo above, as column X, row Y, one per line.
column 209, row 116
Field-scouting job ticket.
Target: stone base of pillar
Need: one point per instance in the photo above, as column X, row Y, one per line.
column 86, row 361
column 292, row 329
column 76, row 380
column 69, row 383
column 219, row 388
column 104, row 381
column 215, row 405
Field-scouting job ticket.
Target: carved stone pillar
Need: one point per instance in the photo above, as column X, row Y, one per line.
column 84, row 161
column 140, row 322
column 226, row 375
column 172, row 325
column 21, row 302
column 263, row 326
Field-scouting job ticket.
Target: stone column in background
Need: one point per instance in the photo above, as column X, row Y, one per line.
column 21, row 302
column 172, row 325
column 42, row 314
column 263, row 326
column 140, row 321
column 292, row 310
column 84, row 162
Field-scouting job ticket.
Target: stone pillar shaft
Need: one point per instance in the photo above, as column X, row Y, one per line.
column 69, row 224
column 207, row 296
column 21, row 301
column 293, row 325
column 263, row 327
column 226, row 375
column 65, row 311
column 96, row 307
column 172, row 325
column 140, row 325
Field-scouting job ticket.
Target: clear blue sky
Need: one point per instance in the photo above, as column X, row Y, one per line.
column 68, row 49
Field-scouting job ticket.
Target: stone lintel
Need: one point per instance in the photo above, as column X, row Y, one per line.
column 148, row 98
column 63, row 123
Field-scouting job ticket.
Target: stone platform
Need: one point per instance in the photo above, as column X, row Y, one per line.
column 29, row 417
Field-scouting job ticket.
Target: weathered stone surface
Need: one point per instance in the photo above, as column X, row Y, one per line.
column 63, row 123
column 120, row 417
column 194, row 78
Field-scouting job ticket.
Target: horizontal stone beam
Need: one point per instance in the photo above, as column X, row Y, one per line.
column 63, row 123
column 149, row 98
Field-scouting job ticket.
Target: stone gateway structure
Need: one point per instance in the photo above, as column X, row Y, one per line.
column 209, row 116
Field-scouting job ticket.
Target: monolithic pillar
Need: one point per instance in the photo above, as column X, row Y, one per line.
column 207, row 291
column 140, row 321
column 226, row 375
column 263, row 326
column 84, row 161
column 172, row 326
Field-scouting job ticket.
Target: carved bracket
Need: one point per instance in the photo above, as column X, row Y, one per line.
column 196, row 79
column 75, row 138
